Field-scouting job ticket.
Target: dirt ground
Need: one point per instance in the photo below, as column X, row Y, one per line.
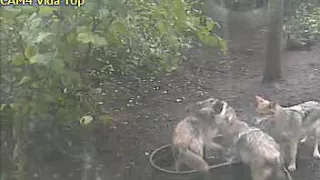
column 122, row 149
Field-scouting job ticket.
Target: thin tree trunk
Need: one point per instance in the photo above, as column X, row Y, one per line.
column 19, row 156
column 272, row 70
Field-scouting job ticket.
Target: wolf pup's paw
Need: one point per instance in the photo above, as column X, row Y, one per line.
column 316, row 154
column 292, row 167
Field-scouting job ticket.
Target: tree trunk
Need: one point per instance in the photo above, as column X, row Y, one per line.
column 272, row 70
column 19, row 156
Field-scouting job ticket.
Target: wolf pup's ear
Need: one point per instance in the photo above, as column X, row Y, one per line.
column 258, row 99
column 272, row 104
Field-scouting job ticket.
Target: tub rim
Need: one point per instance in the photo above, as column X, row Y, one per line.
column 151, row 157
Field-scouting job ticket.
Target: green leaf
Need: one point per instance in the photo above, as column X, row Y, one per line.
column 90, row 7
column 2, row 107
column 179, row 10
column 12, row 106
column 72, row 39
column 119, row 6
column 41, row 58
column 104, row 13
column 32, row 16
column 210, row 40
column 9, row 13
column 24, row 79
column 30, row 51
column 57, row 66
column 35, row 85
column 191, row 25
column 22, row 18
column 161, row 28
column 18, row 60
column 84, row 37
column 28, row 9
column 210, row 25
column 85, row 120
column 223, row 46
column 91, row 37
column 98, row 40
column 34, row 26
column 42, row 36
column 83, row 29
column 47, row 10
column 120, row 27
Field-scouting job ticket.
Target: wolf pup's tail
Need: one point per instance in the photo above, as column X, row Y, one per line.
column 193, row 161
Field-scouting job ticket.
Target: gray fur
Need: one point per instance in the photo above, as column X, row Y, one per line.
column 193, row 135
column 253, row 147
column 288, row 125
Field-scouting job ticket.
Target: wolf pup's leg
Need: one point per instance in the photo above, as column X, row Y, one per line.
column 177, row 160
column 287, row 173
column 177, row 165
column 260, row 172
column 283, row 148
column 293, row 155
column 316, row 153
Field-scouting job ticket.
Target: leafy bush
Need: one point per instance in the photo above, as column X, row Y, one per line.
column 306, row 22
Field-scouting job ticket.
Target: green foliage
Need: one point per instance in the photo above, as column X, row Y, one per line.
column 134, row 36
column 152, row 35
column 306, row 22
column 46, row 50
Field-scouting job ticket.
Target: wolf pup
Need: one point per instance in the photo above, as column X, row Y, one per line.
column 289, row 125
column 259, row 151
column 193, row 135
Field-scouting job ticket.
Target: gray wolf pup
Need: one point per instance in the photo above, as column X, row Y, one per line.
column 291, row 124
column 193, row 135
column 253, row 147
